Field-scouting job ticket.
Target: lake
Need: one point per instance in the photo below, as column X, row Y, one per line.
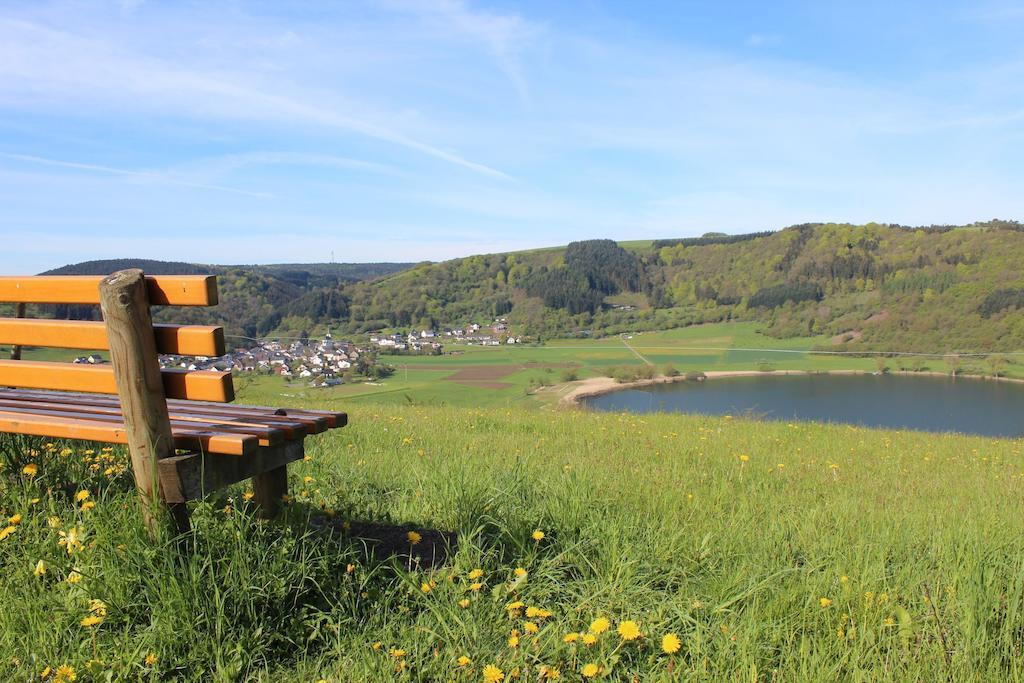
column 934, row 404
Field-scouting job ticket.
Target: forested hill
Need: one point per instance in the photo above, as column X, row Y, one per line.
column 253, row 299
column 933, row 289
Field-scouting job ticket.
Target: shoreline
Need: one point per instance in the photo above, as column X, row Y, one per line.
column 599, row 386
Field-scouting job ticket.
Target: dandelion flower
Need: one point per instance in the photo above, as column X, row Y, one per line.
column 425, row 587
column 98, row 607
column 670, row 643
column 537, row 535
column 377, row 645
column 629, row 630
column 513, row 640
column 81, row 495
column 599, row 626
column 30, row 470
column 550, row 673
column 493, row 674
column 464, row 603
column 570, row 637
column 64, row 674
column 45, row 673
column 590, row 670
column 824, row 602
column 7, row 531
column 397, row 653
column 74, row 577
column 744, row 458
column 414, row 537
column 53, row 522
column 40, row 568
column 463, row 661
column 475, row 586
column 151, row 659
column 519, row 572
column 91, row 621
column 248, row 495
column 15, row 520
column 531, row 627
column 513, row 606
column 475, row 574
column 589, row 639
column 88, row 505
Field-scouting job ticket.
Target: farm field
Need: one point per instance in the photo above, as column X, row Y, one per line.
column 716, row 549
column 506, row 376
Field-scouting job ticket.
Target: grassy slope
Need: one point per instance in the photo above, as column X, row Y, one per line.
column 659, row 519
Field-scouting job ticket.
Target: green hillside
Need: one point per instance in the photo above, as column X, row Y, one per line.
column 937, row 289
column 771, row 551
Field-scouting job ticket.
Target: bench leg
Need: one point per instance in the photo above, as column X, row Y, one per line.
column 179, row 517
column 269, row 489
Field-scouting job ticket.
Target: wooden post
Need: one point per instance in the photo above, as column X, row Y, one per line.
column 133, row 353
column 269, row 489
column 19, row 312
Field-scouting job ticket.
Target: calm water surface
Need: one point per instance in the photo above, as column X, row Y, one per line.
column 934, row 404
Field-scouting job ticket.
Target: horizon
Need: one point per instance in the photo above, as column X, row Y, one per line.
column 408, row 131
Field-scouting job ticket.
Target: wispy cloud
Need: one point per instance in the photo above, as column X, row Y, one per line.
column 150, row 176
column 39, row 63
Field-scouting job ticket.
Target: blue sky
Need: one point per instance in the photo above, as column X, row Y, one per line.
column 378, row 130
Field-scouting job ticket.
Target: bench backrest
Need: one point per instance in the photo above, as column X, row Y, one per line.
column 161, row 290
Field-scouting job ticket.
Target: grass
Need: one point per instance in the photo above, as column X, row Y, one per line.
column 773, row 551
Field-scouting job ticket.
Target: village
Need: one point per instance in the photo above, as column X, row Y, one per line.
column 328, row 362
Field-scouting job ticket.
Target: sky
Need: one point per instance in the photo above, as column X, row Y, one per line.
column 410, row 130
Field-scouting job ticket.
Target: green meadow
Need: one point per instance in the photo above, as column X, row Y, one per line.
column 712, row 549
column 509, row 375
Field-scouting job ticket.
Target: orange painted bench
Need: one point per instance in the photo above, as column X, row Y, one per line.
column 184, row 436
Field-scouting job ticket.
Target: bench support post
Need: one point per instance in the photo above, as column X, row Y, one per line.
column 269, row 490
column 133, row 352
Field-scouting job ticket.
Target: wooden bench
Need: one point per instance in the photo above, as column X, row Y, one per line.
column 184, row 440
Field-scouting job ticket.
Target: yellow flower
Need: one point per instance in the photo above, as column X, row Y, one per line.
column 397, row 653
column 599, row 626
column 413, row 537
column 550, row 673
column 81, row 495
column 570, row 637
column 74, row 577
column 88, row 505
column 493, row 674
column 64, row 674
column 308, row 480
column 629, row 630
column 513, row 640
column 151, row 659
column 531, row 627
column 464, row 603
column 844, row 578
column 537, row 613
column 30, row 470
column 98, row 607
column 463, row 661
column 519, row 572
column 377, row 645
column 53, row 522
column 744, row 458
column 91, row 621
column 824, row 602
column 15, row 520
column 475, row 574
column 45, row 673
column 7, row 531
column 513, row 606
column 425, row 587
column 538, row 535
column 475, row 586
column 248, row 495
column 590, row 670
column 40, row 568
column 670, row 643
column 589, row 639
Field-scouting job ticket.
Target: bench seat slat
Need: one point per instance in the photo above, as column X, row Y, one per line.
column 268, row 436
column 163, row 290
column 289, row 429
column 206, row 385
column 323, row 419
column 87, row 429
column 180, row 340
